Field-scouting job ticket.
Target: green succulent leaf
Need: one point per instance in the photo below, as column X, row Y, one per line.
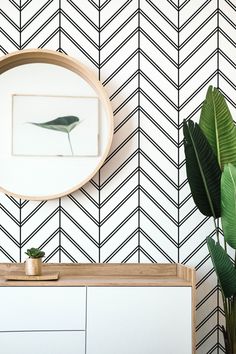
column 228, row 204
column 218, row 126
column 35, row 253
column 223, row 266
column 62, row 124
column 203, row 170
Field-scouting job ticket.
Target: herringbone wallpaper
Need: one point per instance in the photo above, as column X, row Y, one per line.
column 155, row 59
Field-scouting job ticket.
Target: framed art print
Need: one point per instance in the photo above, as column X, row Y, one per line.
column 44, row 125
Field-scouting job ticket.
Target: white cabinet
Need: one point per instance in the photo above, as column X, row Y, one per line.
column 42, row 343
column 99, row 309
column 139, row 320
column 42, row 308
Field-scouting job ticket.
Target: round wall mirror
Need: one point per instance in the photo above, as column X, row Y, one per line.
column 56, row 124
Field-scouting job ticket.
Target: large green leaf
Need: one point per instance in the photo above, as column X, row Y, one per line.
column 228, row 204
column 218, row 126
column 224, row 267
column 62, row 124
column 203, row 171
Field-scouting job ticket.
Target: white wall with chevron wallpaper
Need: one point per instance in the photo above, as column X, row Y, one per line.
column 156, row 59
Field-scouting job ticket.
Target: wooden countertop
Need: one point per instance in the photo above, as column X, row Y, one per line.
column 109, row 274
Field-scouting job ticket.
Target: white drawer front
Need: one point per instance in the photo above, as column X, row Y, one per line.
column 142, row 320
column 42, row 343
column 42, row 308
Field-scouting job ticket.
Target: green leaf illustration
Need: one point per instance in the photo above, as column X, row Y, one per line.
column 62, row 124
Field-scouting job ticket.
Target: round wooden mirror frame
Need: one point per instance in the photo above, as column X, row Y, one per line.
column 23, row 57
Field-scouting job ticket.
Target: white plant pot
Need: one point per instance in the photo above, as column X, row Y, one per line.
column 33, row 266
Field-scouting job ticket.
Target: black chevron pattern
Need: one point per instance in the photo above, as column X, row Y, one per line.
column 155, row 60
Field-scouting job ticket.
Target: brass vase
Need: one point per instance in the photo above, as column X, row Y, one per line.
column 33, row 266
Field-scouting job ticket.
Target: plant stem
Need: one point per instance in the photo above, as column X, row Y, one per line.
column 217, row 231
column 229, row 322
column 233, row 325
column 72, row 153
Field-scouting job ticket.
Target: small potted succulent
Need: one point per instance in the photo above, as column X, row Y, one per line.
column 33, row 264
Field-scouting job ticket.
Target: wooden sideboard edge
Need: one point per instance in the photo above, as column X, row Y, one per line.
column 112, row 274
column 194, row 340
column 102, row 269
column 186, row 273
column 189, row 274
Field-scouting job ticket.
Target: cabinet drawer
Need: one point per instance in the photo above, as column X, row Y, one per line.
column 42, row 342
column 42, row 308
column 139, row 320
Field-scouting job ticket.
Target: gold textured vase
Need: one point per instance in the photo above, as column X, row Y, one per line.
column 33, row 266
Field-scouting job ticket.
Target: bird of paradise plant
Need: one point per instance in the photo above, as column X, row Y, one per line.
column 210, row 150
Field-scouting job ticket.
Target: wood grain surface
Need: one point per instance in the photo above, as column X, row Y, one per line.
column 100, row 274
